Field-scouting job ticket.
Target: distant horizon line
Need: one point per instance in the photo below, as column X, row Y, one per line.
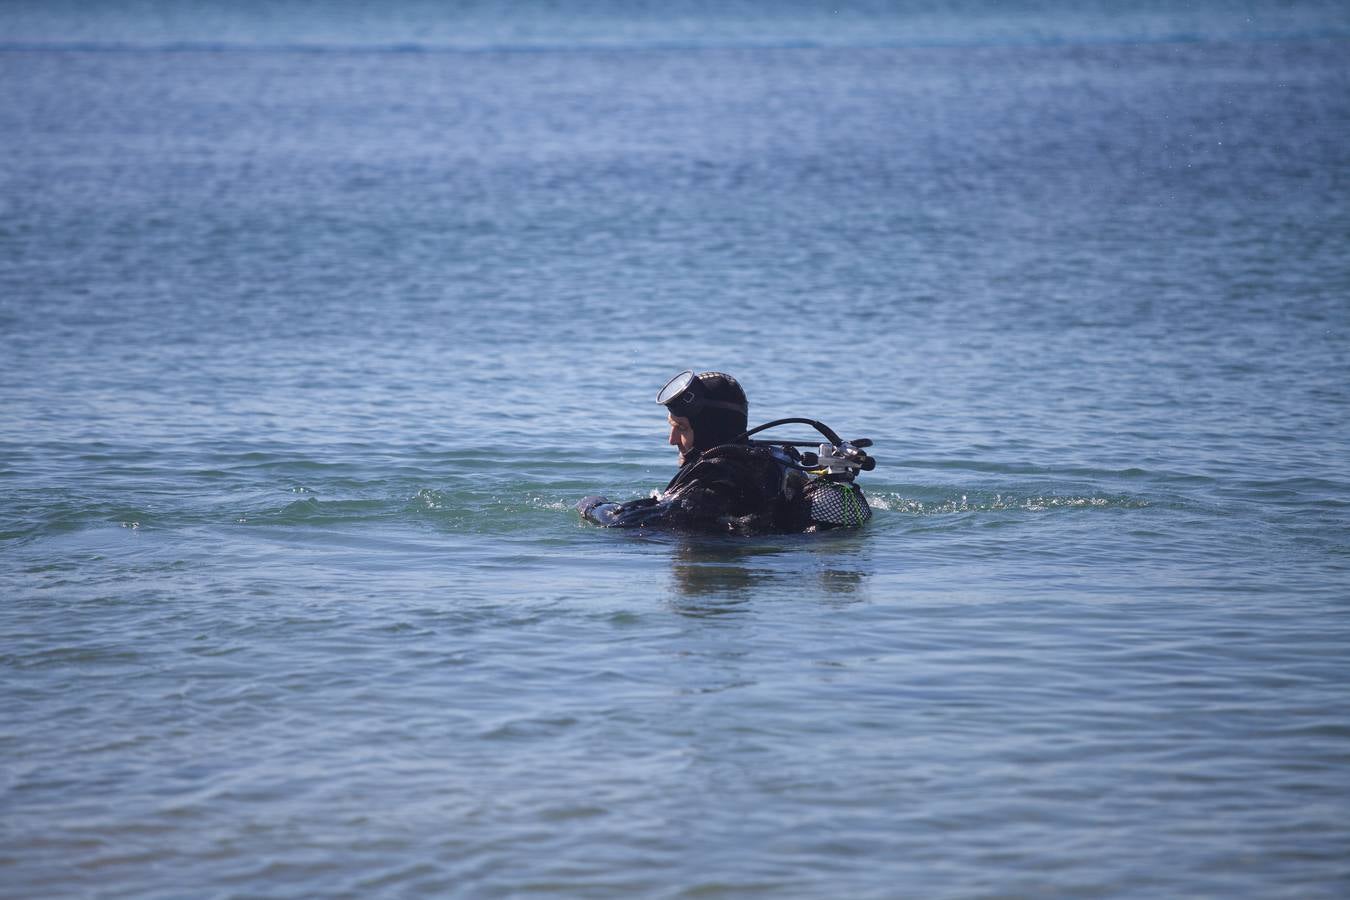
column 581, row 46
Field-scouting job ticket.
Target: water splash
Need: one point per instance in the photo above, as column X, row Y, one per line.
column 999, row 502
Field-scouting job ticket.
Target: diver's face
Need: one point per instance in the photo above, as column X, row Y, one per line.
column 681, row 435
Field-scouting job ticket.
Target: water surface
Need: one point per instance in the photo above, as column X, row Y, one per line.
column 313, row 327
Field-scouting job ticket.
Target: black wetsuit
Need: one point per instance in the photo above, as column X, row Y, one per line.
column 737, row 488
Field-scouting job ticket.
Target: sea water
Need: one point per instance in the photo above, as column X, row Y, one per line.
column 316, row 319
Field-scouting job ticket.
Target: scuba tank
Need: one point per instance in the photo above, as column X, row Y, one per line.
column 831, row 498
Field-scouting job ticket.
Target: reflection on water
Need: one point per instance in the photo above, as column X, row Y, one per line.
column 720, row 575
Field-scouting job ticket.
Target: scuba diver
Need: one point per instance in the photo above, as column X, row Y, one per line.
column 729, row 483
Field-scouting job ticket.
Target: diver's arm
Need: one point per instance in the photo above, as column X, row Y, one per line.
column 620, row 515
column 702, row 497
column 696, row 507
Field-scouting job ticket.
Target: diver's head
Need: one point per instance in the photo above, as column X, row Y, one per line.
column 705, row 410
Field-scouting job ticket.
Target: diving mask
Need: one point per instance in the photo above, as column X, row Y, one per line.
column 684, row 396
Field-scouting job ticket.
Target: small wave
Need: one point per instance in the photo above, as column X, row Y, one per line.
column 552, row 505
column 312, row 509
column 479, row 510
column 33, row 518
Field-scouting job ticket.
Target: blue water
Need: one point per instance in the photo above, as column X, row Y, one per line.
column 315, row 320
